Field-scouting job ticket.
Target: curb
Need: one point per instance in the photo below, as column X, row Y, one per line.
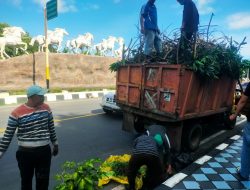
column 175, row 179
column 50, row 97
column 172, row 181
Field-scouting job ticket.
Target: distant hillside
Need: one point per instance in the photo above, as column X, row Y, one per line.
column 66, row 71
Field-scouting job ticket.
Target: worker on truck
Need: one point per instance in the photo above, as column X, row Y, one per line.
column 150, row 30
column 189, row 27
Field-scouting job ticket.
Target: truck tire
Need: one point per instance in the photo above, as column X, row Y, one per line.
column 192, row 137
column 139, row 125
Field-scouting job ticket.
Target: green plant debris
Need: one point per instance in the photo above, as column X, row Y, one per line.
column 209, row 58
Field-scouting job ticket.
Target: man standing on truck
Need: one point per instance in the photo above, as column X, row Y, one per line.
column 190, row 22
column 244, row 170
column 149, row 28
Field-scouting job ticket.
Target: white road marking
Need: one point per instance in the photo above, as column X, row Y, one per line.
column 171, row 182
column 235, row 137
column 222, row 146
column 203, row 159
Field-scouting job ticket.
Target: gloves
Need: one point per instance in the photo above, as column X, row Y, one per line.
column 55, row 150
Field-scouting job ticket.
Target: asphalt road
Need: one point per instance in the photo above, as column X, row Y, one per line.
column 83, row 131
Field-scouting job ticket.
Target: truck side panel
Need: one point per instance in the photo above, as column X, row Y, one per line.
column 172, row 91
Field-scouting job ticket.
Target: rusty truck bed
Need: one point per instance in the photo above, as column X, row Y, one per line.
column 171, row 92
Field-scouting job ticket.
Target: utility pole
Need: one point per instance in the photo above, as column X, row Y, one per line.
column 46, row 45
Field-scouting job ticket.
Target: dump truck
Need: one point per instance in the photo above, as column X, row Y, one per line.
column 174, row 96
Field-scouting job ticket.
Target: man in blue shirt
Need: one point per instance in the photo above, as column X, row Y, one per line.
column 149, row 28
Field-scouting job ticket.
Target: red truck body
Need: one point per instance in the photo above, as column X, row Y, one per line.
column 170, row 93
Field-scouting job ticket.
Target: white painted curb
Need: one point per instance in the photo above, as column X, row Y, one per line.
column 50, row 97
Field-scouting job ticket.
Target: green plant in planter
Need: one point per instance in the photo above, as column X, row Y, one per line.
column 79, row 176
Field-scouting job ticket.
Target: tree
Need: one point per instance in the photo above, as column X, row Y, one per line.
column 2, row 26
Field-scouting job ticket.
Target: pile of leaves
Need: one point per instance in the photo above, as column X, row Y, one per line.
column 115, row 168
column 93, row 174
column 79, row 176
column 210, row 59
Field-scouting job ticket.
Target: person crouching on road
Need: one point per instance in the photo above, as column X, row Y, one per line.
column 159, row 131
column 35, row 129
column 146, row 152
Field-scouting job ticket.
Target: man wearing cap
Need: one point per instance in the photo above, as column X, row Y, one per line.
column 146, row 152
column 35, row 130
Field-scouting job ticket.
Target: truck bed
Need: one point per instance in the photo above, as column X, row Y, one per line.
column 171, row 92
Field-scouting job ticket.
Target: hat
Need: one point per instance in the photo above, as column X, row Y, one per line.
column 158, row 139
column 36, row 90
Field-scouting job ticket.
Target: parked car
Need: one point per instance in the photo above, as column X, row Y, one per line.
column 109, row 103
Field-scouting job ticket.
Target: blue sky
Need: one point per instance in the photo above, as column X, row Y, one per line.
column 119, row 18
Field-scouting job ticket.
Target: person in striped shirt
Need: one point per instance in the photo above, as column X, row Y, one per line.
column 35, row 130
column 146, row 152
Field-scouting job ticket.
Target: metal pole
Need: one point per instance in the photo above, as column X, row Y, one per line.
column 46, row 46
column 34, row 69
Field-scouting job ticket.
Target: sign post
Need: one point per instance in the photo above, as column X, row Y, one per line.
column 50, row 12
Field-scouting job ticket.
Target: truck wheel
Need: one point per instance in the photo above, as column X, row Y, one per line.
column 229, row 124
column 139, row 125
column 192, row 137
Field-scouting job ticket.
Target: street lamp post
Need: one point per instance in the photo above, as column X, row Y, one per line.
column 46, row 45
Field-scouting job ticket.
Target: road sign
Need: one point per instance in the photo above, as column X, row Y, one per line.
column 51, row 8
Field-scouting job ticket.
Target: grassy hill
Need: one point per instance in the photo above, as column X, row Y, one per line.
column 67, row 71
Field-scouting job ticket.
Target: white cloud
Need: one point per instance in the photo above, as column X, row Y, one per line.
column 66, row 6
column 63, row 5
column 40, row 2
column 239, row 21
column 204, row 7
